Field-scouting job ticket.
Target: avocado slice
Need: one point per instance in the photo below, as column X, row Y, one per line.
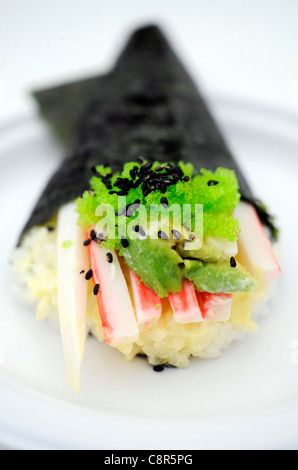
column 218, row 277
column 156, row 263
column 162, row 269
column 205, row 253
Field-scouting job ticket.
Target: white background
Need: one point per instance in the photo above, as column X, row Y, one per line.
column 247, row 49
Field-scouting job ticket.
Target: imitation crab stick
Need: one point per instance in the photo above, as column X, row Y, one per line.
column 215, row 307
column 254, row 246
column 115, row 307
column 185, row 304
column 147, row 304
column 72, row 290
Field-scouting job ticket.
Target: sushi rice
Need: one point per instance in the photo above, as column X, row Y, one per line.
column 168, row 341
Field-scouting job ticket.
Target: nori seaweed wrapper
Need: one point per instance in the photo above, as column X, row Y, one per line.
column 148, row 107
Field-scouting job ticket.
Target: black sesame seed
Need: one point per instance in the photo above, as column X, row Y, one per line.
column 186, row 178
column 131, row 208
column 139, row 160
column 124, row 242
column 212, row 183
column 88, row 275
column 162, row 235
column 142, row 232
column 177, row 177
column 96, row 289
column 50, row 228
column 176, row 234
column 159, row 168
column 132, row 174
column 118, row 182
column 107, row 184
column 148, row 166
column 87, row 242
column 233, row 263
column 164, row 201
column 163, row 188
column 93, row 234
column 109, row 257
column 136, row 228
column 158, row 368
column 82, row 271
column 137, row 183
column 168, row 181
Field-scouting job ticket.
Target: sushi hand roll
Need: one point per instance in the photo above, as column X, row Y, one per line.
column 148, row 235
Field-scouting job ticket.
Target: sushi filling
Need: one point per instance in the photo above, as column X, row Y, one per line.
column 181, row 293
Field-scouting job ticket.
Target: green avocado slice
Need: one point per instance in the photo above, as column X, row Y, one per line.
column 156, row 263
column 218, row 277
column 162, row 269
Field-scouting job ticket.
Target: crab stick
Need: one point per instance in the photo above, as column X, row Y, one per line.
column 215, row 306
column 255, row 249
column 72, row 290
column 115, row 306
column 148, row 305
column 185, row 305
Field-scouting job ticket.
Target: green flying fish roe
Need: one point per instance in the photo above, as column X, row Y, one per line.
column 145, row 183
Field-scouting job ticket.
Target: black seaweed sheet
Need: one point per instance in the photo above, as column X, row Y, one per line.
column 146, row 106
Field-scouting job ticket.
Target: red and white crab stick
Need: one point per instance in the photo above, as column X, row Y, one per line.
column 190, row 306
column 115, row 307
column 185, row 304
column 72, row 290
column 215, row 307
column 148, row 305
column 255, row 247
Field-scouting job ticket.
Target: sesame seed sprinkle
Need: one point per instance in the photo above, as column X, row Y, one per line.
column 176, row 234
column 88, row 275
column 124, row 242
column 164, row 202
column 162, row 235
column 96, row 289
column 158, row 368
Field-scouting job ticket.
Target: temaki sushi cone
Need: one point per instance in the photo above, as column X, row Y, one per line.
column 146, row 106
column 137, row 138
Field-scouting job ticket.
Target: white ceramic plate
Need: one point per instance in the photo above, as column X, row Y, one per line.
column 247, row 398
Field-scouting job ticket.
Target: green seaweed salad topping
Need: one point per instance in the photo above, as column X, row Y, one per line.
column 148, row 184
